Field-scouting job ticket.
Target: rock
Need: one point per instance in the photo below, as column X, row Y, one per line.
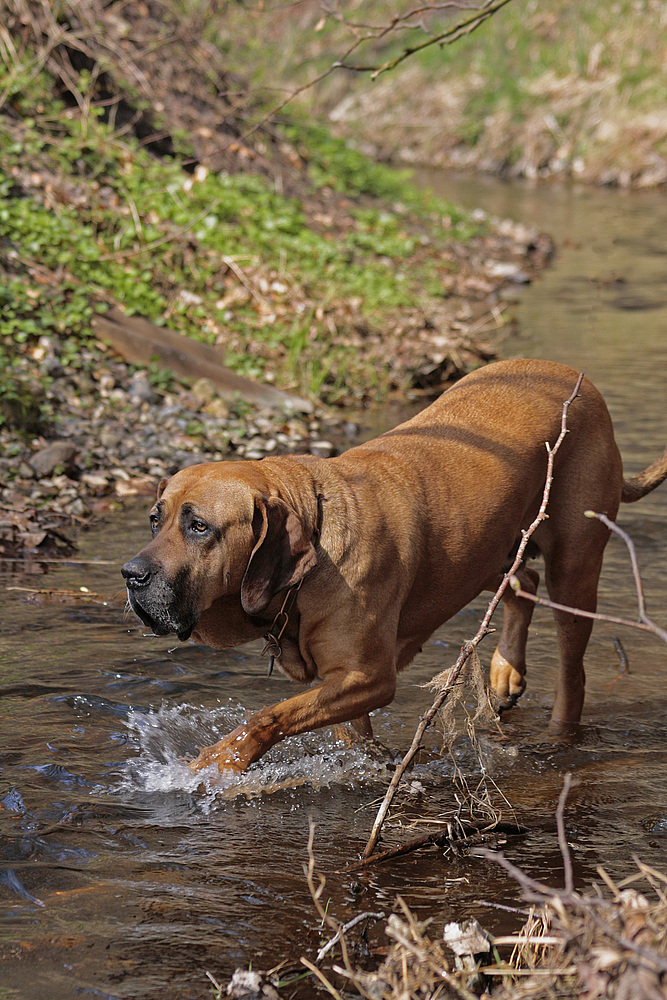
column 106, row 382
column 297, row 429
column 60, row 454
column 109, row 437
column 96, row 480
column 247, row 985
column 22, row 408
column 217, row 408
column 203, row 390
column 76, row 508
column 53, row 367
column 140, row 390
column 508, row 270
column 135, row 486
column 157, row 469
column 323, row 449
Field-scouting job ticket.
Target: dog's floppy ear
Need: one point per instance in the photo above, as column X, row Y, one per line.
column 160, row 487
column 282, row 556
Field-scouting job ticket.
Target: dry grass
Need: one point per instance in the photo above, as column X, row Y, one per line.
column 609, row 942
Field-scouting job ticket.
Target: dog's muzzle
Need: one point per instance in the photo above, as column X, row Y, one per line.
column 154, row 600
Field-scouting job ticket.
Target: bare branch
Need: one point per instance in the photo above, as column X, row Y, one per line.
column 374, row 33
column 367, row 915
column 644, row 623
column 632, row 552
column 446, row 37
column 456, row 834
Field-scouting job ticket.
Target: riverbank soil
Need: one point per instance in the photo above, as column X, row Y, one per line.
column 126, row 181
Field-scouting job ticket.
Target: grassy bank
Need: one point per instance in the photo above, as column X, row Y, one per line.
column 295, row 257
column 541, row 89
column 129, row 178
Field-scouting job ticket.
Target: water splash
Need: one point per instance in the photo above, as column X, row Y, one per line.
column 168, row 737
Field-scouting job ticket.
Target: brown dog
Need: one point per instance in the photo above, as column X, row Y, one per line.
column 368, row 553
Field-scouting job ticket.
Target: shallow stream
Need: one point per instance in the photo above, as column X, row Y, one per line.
column 121, row 878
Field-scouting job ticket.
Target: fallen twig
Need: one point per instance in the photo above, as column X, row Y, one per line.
column 457, row 833
column 470, row 647
column 325, row 949
column 316, row 884
column 322, row 978
column 622, row 655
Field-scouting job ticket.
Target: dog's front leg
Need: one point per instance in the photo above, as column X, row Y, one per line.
column 342, row 696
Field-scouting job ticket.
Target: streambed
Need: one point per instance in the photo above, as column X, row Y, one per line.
column 121, row 877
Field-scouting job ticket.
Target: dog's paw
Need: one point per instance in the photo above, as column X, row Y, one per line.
column 226, row 755
column 507, row 683
column 504, row 704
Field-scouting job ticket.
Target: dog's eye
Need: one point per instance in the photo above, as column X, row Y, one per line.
column 199, row 526
column 154, row 523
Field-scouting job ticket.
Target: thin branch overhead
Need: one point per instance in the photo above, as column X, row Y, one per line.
column 450, row 34
column 473, row 15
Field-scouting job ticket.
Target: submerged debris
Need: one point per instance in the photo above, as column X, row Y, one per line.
column 416, row 966
column 606, row 943
column 247, row 985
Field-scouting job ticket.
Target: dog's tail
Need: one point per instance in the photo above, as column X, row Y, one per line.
column 640, row 485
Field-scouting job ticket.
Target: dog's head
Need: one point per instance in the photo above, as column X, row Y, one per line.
column 218, row 529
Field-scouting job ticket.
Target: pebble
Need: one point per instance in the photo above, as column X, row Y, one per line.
column 96, row 480
column 204, row 390
column 323, row 449
column 140, row 390
column 60, row 454
column 508, row 270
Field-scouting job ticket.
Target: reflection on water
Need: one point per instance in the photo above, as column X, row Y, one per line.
column 123, row 875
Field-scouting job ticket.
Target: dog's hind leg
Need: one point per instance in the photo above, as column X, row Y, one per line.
column 572, row 580
column 508, row 663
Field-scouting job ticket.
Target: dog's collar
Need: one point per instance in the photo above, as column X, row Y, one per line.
column 272, row 637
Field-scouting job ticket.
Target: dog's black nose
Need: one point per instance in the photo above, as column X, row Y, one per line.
column 137, row 572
